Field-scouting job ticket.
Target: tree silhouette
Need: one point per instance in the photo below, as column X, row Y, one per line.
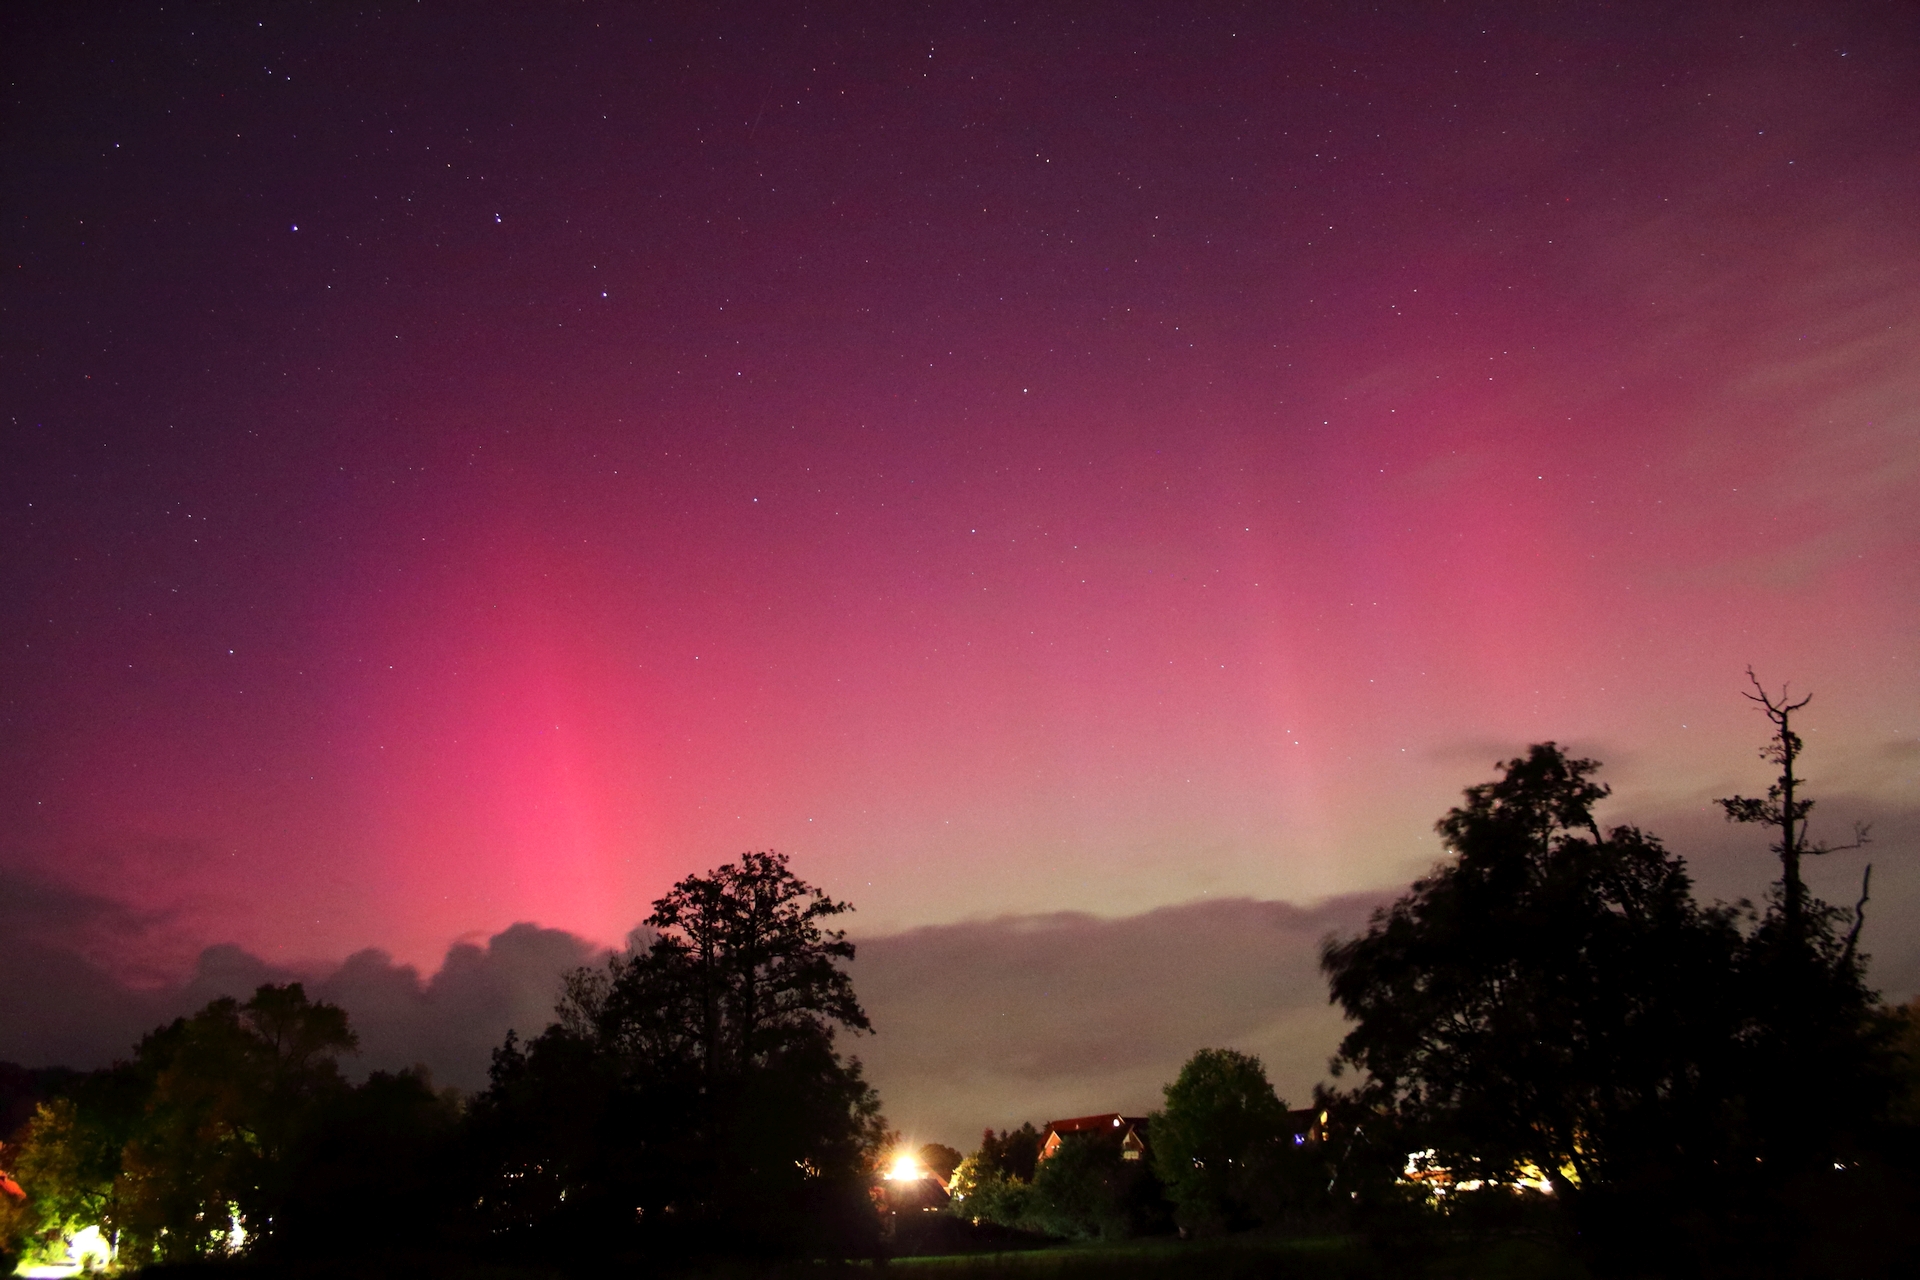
column 939, row 1159
column 1786, row 809
column 188, row 1150
column 695, row 1086
column 1014, row 1152
column 746, row 939
column 234, row 1088
column 1220, row 1145
column 1550, row 1002
column 1087, row 1189
column 1809, row 1030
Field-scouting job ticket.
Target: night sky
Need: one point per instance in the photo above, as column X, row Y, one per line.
column 467, row 465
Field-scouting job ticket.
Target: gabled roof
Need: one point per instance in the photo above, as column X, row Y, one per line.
column 1131, row 1130
column 1092, row 1124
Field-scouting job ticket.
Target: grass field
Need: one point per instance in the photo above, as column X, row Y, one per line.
column 1250, row 1257
column 1243, row 1257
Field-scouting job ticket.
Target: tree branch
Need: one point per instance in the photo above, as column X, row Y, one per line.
column 1774, row 709
column 1859, row 917
column 1862, row 837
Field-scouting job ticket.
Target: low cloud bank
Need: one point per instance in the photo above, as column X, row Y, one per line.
column 74, row 1012
column 1037, row 1017
column 982, row 1023
column 991, row 1022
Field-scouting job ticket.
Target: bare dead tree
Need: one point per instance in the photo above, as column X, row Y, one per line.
column 1784, row 809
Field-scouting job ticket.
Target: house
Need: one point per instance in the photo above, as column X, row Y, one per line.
column 1307, row 1126
column 925, row 1194
column 1424, row 1170
column 909, row 1186
column 1131, row 1130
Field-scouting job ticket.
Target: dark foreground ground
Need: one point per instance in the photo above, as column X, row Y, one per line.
column 1249, row 1257
column 1235, row 1258
column 1416, row 1254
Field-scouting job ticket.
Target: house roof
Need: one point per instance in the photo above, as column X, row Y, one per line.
column 1091, row 1124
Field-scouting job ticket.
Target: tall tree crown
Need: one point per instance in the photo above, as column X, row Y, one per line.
column 742, row 967
column 1536, row 1001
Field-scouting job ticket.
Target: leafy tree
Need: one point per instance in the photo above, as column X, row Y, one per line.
column 561, row 1140
column 1087, row 1190
column 695, row 1088
column 68, row 1171
column 1015, row 1152
column 743, row 966
column 233, row 1089
column 373, row 1172
column 939, row 1159
column 1550, row 1001
column 994, row 1184
column 23, row 1089
column 1220, row 1145
column 1084, row 1190
column 981, row 1193
column 186, row 1150
column 69, row 1157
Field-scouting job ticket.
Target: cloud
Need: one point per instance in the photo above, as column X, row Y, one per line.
column 981, row 1023
column 79, row 1014
column 36, row 909
column 68, row 1011
column 1035, row 1017
column 453, row 1021
column 990, row 1022
column 59, row 1003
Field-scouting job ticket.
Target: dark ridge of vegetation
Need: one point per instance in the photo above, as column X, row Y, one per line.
column 1557, row 1044
column 689, row 1100
column 23, row 1089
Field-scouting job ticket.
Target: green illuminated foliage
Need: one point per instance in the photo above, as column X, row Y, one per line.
column 1221, row 1146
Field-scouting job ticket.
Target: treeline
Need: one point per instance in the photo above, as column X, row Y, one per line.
column 1712, row 1086
column 1087, row 1189
column 225, row 1130
column 1224, row 1154
column 689, row 1099
column 1553, row 1037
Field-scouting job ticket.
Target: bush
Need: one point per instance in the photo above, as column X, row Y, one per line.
column 1086, row 1190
